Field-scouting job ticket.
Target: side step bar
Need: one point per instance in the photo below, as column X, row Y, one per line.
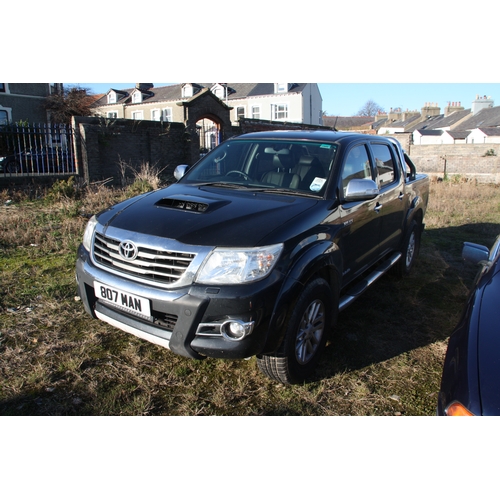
column 354, row 292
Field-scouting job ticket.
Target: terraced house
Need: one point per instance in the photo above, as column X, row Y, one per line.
column 24, row 101
column 288, row 102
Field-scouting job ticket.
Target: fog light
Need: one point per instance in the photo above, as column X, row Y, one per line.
column 235, row 329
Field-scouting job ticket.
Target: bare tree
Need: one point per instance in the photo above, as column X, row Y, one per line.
column 72, row 101
column 370, row 108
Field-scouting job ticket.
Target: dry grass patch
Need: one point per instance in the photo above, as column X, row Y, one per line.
column 384, row 357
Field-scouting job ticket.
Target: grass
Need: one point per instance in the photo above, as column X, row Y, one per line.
column 384, row 358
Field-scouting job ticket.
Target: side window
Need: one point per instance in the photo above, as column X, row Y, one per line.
column 356, row 166
column 384, row 163
column 4, row 118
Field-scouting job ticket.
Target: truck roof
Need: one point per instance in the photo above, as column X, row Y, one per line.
column 308, row 135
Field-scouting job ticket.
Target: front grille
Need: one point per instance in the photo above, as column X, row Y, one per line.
column 156, row 265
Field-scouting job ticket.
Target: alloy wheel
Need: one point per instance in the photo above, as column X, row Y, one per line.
column 310, row 332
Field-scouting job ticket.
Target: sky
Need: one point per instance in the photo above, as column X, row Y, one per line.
column 346, row 99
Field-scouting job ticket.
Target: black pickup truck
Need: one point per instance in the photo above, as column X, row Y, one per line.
column 257, row 247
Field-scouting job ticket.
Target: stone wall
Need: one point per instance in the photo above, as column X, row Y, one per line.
column 101, row 145
column 467, row 160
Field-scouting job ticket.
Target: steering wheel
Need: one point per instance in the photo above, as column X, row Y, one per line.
column 238, row 172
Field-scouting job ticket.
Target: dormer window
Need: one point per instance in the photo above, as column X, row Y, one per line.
column 279, row 88
column 187, row 90
column 112, row 97
column 220, row 90
column 137, row 97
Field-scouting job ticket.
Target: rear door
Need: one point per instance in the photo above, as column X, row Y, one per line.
column 391, row 201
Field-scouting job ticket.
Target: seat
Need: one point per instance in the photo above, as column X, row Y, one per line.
column 282, row 179
column 308, row 168
column 283, row 161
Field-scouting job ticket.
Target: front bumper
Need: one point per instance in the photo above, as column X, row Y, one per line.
column 186, row 320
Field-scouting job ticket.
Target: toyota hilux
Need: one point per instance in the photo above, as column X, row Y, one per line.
column 255, row 249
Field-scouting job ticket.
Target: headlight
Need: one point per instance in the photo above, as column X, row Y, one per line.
column 89, row 232
column 239, row 265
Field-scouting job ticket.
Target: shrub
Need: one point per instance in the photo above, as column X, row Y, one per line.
column 63, row 189
column 146, row 178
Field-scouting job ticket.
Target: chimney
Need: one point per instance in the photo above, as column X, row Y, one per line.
column 481, row 103
column 452, row 107
column 394, row 114
column 144, row 86
column 430, row 109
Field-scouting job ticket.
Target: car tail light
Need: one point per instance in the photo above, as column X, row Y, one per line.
column 457, row 409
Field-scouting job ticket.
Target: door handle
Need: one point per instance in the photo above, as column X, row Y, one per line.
column 401, row 196
column 377, row 208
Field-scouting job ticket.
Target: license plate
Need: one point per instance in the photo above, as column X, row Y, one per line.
column 123, row 300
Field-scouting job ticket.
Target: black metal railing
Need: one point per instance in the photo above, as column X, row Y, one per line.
column 30, row 149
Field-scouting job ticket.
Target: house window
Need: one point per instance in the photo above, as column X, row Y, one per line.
column 256, row 112
column 137, row 97
column 220, row 91
column 279, row 88
column 240, row 112
column 112, row 114
column 112, row 98
column 137, row 115
column 5, row 115
column 280, row 112
column 167, row 114
column 155, row 115
column 187, row 91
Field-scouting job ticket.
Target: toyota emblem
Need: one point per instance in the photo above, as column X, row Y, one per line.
column 128, row 250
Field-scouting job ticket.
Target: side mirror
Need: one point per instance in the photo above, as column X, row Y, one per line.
column 361, row 189
column 475, row 253
column 180, row 171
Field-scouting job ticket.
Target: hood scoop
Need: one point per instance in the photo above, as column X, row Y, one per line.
column 190, row 204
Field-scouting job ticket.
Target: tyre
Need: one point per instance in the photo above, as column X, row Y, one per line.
column 305, row 338
column 410, row 250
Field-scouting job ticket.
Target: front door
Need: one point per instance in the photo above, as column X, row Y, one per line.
column 361, row 223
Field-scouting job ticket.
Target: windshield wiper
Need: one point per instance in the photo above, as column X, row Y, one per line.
column 280, row 190
column 222, row 184
column 258, row 189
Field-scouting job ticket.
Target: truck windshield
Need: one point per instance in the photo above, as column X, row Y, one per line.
column 291, row 166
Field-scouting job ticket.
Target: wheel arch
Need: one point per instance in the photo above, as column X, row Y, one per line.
column 319, row 261
column 415, row 212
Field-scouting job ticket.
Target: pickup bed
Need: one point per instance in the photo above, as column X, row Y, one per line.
column 257, row 247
